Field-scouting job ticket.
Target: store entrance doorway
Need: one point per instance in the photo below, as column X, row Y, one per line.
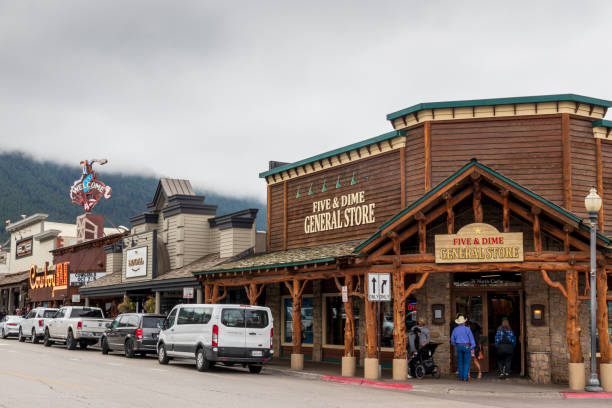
column 485, row 302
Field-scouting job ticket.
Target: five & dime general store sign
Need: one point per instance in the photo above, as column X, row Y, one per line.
column 479, row 243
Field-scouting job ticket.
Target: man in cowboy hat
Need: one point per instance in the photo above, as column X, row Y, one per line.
column 463, row 341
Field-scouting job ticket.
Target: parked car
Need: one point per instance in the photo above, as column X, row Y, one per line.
column 229, row 334
column 132, row 333
column 33, row 325
column 76, row 324
column 9, row 326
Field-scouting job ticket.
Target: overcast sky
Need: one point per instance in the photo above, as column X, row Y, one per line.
column 210, row 91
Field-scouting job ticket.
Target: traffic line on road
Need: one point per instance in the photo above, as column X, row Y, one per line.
column 367, row 383
column 42, row 379
column 570, row 395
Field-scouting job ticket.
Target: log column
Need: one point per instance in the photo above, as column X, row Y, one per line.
column 349, row 362
column 253, row 292
column 296, row 289
column 211, row 293
column 605, row 362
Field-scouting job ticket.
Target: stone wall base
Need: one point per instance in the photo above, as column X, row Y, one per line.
column 539, row 368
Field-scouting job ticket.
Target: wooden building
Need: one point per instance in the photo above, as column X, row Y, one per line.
column 473, row 207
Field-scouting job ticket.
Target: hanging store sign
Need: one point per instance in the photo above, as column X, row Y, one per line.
column 56, row 280
column 478, row 242
column 23, row 248
column 339, row 212
column 83, row 278
column 136, row 262
column 88, row 190
column 187, row 293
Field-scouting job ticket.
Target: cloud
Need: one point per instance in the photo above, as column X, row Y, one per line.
column 211, row 91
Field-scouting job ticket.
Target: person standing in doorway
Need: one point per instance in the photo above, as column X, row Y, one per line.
column 505, row 340
column 476, row 351
column 463, row 341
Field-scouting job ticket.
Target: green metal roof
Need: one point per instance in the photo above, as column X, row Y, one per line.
column 602, row 122
column 380, row 138
column 500, row 101
column 494, row 173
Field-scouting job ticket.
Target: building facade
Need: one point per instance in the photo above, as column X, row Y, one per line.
column 472, row 207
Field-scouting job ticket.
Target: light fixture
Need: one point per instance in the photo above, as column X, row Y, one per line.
column 538, row 317
column 592, row 202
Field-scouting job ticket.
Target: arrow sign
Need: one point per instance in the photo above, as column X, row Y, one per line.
column 382, row 291
column 374, row 285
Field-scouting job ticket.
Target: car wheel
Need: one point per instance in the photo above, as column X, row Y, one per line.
column 255, row 368
column 47, row 339
column 20, row 336
column 202, row 364
column 83, row 345
column 128, row 348
column 105, row 348
column 70, row 341
column 34, row 338
column 162, row 355
column 435, row 372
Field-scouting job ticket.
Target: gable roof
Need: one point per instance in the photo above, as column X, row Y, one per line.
column 471, row 167
column 170, row 187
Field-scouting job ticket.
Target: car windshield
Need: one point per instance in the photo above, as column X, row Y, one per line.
column 91, row 313
column 150, row 322
column 49, row 313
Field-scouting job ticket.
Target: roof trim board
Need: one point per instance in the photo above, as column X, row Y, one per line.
column 602, row 123
column 499, row 101
column 331, row 153
column 254, row 267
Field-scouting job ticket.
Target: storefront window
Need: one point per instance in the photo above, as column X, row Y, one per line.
column 610, row 320
column 336, row 319
column 307, row 334
column 386, row 318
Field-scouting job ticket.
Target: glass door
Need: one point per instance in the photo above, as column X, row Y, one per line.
column 474, row 307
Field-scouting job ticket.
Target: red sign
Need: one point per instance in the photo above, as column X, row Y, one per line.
column 88, row 190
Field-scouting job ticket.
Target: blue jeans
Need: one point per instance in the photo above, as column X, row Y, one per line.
column 464, row 357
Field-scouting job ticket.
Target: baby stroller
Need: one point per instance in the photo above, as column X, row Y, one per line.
column 422, row 363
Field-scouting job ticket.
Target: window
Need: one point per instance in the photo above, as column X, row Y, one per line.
column 60, row 313
column 202, row 315
column 87, row 312
column 232, row 317
column 307, row 334
column 115, row 323
column 31, row 315
column 336, row 320
column 386, row 319
column 133, row 321
column 256, row 319
column 151, row 322
column 49, row 313
column 122, row 321
column 171, row 318
column 185, row 316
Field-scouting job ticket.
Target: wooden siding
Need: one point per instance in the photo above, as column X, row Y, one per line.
column 606, row 155
column 233, row 241
column 415, row 165
column 526, row 150
column 584, row 174
column 276, row 217
column 377, row 176
column 197, row 236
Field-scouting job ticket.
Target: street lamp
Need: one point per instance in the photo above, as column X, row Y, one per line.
column 592, row 203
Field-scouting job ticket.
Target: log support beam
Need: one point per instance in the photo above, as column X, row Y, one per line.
column 296, row 289
column 450, row 214
column 537, row 231
column 506, row 210
column 353, row 287
column 602, row 316
column 253, row 292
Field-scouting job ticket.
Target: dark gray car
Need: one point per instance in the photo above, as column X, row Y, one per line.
column 132, row 333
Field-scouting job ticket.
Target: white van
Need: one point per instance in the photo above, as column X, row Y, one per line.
column 229, row 334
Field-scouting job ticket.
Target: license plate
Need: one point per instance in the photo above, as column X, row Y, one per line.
column 256, row 353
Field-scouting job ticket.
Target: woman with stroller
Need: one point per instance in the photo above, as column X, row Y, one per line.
column 505, row 340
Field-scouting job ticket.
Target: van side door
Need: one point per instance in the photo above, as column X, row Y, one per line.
column 232, row 332
column 257, row 331
column 170, row 325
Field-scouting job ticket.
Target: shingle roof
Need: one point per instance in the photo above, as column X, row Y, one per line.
column 203, row 263
column 290, row 257
column 14, row 278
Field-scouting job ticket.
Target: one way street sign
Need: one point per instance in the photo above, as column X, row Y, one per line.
column 379, row 287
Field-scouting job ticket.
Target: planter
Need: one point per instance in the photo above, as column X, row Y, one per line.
column 349, row 365
column 297, row 362
column 577, row 377
column 370, row 369
column 400, row 369
column 605, row 373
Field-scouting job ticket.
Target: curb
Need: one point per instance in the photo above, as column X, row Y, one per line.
column 584, row 395
column 293, row 373
column 367, row 383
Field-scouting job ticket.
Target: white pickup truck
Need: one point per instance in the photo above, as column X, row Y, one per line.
column 76, row 324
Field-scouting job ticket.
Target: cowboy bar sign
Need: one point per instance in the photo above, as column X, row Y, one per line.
column 88, row 190
column 56, row 280
column 479, row 242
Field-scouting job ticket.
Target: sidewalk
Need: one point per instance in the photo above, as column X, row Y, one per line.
column 518, row 387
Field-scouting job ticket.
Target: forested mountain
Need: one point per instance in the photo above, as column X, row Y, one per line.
column 28, row 186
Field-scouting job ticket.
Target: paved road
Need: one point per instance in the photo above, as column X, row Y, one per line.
column 36, row 376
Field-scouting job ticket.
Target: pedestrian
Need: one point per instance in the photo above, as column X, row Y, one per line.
column 476, row 351
column 417, row 337
column 505, row 340
column 463, row 341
